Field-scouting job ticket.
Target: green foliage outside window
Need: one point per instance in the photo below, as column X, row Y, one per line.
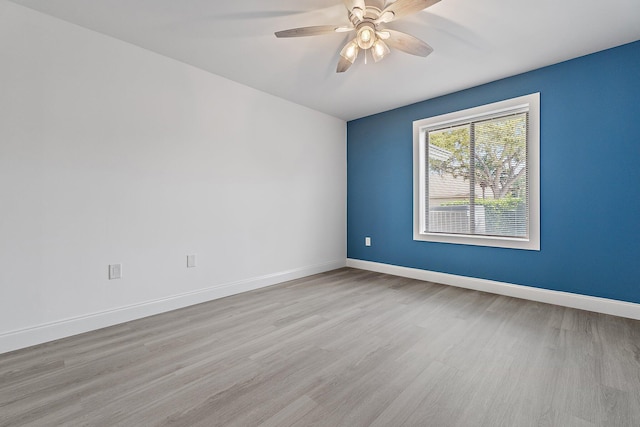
column 499, row 155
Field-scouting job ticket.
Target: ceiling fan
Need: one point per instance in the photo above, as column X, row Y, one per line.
column 368, row 21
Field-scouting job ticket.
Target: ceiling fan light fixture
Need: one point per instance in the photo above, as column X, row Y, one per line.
column 364, row 20
column 379, row 50
column 366, row 36
column 350, row 51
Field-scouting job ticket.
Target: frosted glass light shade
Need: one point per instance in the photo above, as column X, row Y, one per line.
column 379, row 50
column 366, row 37
column 350, row 51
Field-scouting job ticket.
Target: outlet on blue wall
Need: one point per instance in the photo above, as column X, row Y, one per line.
column 589, row 176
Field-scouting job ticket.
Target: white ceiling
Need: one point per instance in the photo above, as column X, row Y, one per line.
column 475, row 41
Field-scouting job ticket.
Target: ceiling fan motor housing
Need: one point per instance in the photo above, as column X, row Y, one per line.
column 370, row 14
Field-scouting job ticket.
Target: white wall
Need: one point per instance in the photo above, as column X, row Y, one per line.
column 113, row 154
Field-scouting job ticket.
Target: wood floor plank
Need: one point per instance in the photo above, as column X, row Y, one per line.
column 343, row 348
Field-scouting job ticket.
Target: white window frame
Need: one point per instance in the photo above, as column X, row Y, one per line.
column 530, row 103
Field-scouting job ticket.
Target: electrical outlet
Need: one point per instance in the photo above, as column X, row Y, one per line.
column 367, row 241
column 115, row 271
column 191, row 261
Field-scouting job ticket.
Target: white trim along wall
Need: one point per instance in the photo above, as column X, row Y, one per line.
column 565, row 299
column 26, row 337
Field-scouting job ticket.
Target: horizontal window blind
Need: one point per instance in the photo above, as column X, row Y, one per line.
column 477, row 179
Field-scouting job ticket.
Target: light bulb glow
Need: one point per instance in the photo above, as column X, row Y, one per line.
column 366, row 37
column 380, row 50
column 350, row 51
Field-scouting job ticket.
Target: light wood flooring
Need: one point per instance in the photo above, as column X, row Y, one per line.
column 343, row 348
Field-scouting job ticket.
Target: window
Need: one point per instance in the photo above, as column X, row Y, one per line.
column 477, row 175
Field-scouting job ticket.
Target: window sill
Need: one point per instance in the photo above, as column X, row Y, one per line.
column 491, row 241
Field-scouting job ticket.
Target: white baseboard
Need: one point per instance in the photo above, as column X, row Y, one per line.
column 566, row 299
column 39, row 334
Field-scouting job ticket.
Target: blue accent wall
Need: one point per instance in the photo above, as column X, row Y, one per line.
column 589, row 176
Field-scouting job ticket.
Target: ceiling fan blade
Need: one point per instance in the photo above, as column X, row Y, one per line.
column 402, row 8
column 317, row 30
column 343, row 65
column 407, row 43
